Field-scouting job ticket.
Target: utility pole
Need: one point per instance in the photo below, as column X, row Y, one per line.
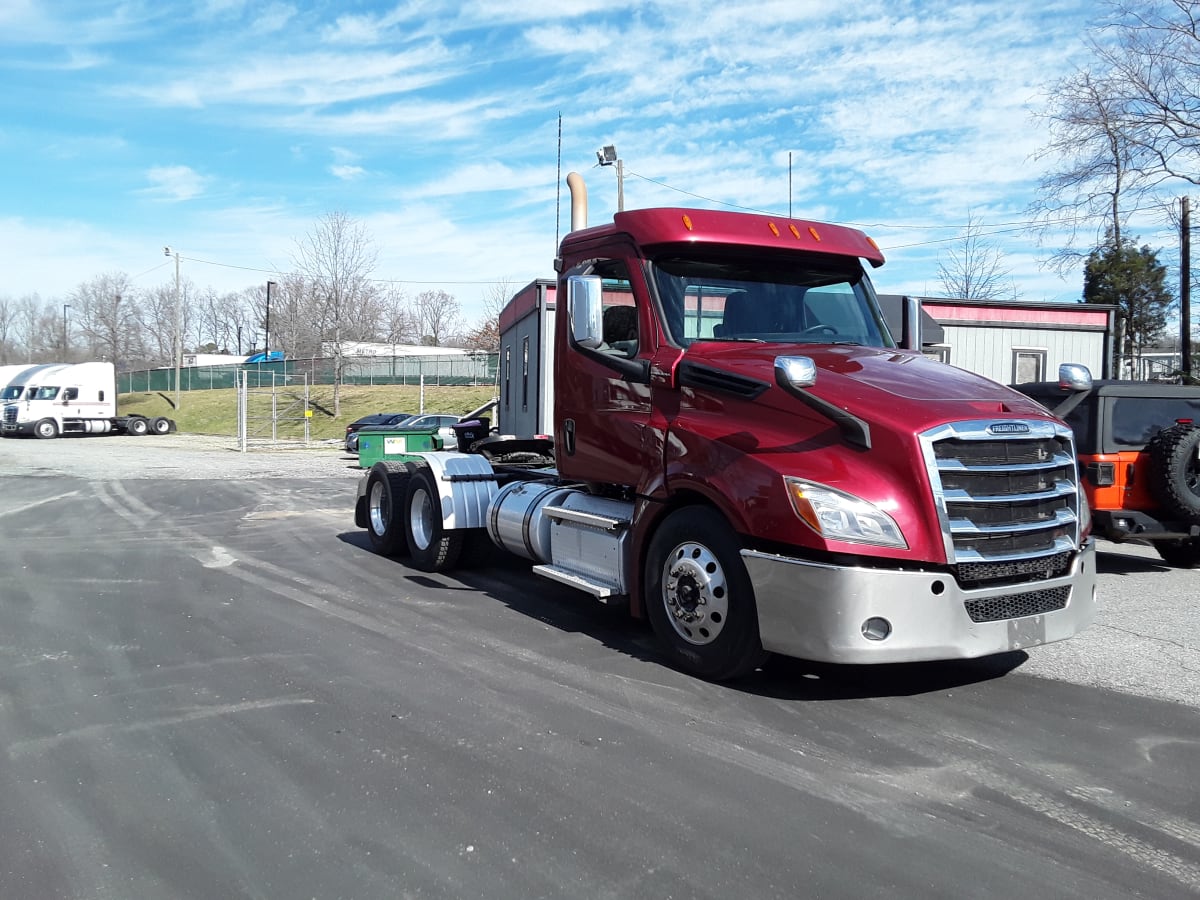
column 66, row 306
column 1185, row 287
column 167, row 251
column 267, row 324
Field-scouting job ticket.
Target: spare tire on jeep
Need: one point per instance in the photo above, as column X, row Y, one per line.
column 1175, row 470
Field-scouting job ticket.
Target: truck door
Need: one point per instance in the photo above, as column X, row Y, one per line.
column 602, row 392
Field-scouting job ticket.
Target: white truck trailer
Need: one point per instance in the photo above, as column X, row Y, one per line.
column 64, row 398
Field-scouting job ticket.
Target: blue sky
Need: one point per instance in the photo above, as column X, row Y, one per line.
column 226, row 129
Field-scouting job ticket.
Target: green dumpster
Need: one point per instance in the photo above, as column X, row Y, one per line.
column 395, row 443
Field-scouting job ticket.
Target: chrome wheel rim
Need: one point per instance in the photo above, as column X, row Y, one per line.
column 695, row 593
column 421, row 518
column 379, row 508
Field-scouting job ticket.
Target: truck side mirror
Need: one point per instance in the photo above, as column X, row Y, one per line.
column 1077, row 379
column 584, row 295
column 1074, row 377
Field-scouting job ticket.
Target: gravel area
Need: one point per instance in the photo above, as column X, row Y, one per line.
column 183, row 456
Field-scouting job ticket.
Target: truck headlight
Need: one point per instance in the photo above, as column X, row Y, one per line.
column 842, row 517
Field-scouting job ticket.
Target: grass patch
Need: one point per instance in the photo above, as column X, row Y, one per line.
column 215, row 412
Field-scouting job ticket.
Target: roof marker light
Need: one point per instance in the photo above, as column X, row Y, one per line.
column 687, row 222
column 814, row 233
column 795, row 231
column 871, row 241
column 774, row 230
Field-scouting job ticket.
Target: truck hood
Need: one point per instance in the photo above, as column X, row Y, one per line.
column 876, row 383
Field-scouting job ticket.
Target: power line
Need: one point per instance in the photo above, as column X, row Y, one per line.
column 998, row 228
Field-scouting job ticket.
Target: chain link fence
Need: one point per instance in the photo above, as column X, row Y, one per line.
column 477, row 368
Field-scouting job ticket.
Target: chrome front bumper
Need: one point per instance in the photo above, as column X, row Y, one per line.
column 819, row 612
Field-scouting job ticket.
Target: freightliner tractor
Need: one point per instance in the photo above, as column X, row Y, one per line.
column 69, row 398
column 743, row 454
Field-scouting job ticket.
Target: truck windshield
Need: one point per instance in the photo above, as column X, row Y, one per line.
column 12, row 392
column 774, row 299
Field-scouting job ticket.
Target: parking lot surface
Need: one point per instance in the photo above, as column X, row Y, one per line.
column 209, row 686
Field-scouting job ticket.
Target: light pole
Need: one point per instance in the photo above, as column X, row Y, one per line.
column 267, row 325
column 167, row 251
column 607, row 157
column 66, row 306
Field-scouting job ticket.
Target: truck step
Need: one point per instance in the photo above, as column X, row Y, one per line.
column 602, row 592
column 580, row 517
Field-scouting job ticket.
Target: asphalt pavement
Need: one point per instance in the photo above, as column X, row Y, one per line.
column 210, row 687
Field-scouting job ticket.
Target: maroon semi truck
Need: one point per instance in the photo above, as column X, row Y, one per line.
column 744, row 454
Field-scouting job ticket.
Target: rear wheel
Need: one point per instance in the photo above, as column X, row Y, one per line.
column 137, row 426
column 1175, row 470
column 1184, row 554
column 432, row 547
column 699, row 597
column 386, row 487
column 160, row 425
column 46, row 429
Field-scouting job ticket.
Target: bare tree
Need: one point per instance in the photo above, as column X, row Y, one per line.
column 107, row 315
column 8, row 318
column 38, row 328
column 337, row 258
column 974, row 268
column 438, row 317
column 1151, row 50
column 485, row 334
column 159, row 317
column 399, row 326
column 1097, row 180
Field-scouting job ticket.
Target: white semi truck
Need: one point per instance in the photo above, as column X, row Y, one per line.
column 64, row 398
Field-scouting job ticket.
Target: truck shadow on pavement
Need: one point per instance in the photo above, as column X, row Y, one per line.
column 506, row 579
column 1114, row 562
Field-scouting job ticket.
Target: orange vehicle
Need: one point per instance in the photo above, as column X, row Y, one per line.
column 1139, row 457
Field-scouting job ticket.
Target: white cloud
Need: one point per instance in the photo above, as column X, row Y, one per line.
column 174, row 183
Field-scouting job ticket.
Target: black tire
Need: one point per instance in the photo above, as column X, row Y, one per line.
column 699, row 598
column 433, row 549
column 1175, row 470
column 137, row 426
column 46, row 429
column 160, row 425
column 1183, row 554
column 384, row 508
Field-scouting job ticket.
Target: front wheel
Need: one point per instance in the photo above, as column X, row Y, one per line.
column 1183, row 554
column 432, row 547
column 699, row 597
column 46, row 429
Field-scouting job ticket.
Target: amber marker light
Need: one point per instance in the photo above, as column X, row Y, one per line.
column 871, row 241
column 687, row 222
column 774, row 230
column 795, row 231
column 814, row 233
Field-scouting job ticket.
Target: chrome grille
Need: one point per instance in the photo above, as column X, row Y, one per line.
column 1009, row 504
column 10, row 415
column 1016, row 606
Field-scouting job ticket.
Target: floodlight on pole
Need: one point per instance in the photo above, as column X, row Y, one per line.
column 607, row 156
column 167, row 251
